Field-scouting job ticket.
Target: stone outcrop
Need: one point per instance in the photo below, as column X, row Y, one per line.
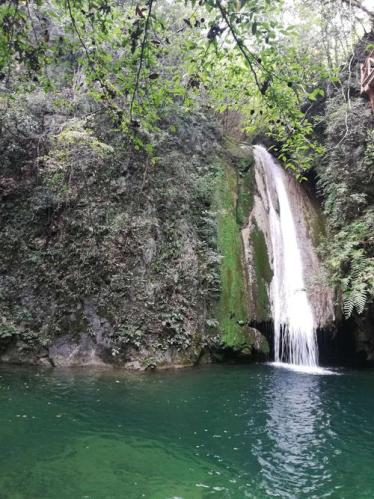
column 129, row 264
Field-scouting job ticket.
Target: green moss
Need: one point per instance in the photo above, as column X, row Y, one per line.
column 244, row 196
column 263, row 272
column 232, row 306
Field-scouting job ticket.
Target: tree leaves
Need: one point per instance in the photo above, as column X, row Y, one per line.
column 121, row 50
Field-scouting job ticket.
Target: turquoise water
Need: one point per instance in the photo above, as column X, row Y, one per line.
column 224, row 432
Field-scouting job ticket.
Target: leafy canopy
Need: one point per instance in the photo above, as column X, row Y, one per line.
column 138, row 60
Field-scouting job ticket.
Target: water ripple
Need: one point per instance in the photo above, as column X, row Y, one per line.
column 230, row 432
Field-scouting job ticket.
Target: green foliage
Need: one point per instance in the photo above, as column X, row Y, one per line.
column 7, row 330
column 271, row 104
column 62, row 174
column 138, row 62
column 351, row 264
column 345, row 181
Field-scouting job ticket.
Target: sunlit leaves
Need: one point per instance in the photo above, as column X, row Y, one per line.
column 137, row 61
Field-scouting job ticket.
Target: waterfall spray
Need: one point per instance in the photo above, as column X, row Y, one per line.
column 294, row 324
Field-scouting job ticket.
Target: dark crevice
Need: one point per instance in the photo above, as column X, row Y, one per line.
column 336, row 345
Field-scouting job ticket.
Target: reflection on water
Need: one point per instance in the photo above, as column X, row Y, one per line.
column 226, row 432
column 294, row 443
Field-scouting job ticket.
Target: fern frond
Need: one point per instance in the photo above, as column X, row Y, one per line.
column 348, row 306
column 355, row 298
column 360, row 297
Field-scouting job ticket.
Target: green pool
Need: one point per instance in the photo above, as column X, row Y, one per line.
column 225, row 432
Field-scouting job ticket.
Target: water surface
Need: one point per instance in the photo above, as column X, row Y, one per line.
column 225, row 432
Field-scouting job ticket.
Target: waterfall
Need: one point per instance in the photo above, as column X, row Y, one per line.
column 294, row 322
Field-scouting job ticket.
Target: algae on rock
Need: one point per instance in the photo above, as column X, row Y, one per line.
column 233, row 200
column 232, row 307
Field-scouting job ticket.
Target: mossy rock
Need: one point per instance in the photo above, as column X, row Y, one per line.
column 263, row 272
column 232, row 306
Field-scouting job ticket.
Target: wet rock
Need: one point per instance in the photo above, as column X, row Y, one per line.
column 68, row 351
column 20, row 353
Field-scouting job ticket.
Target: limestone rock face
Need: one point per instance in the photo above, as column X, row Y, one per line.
column 68, row 351
column 122, row 265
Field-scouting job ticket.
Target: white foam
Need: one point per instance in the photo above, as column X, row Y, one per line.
column 315, row 370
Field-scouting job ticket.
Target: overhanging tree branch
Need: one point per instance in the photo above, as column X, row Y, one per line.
column 103, row 84
column 140, row 66
column 239, row 43
column 251, row 58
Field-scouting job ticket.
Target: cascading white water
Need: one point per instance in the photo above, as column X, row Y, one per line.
column 294, row 324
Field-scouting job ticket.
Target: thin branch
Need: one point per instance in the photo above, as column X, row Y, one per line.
column 250, row 58
column 240, row 44
column 104, row 86
column 32, row 22
column 140, row 66
column 72, row 18
column 11, row 41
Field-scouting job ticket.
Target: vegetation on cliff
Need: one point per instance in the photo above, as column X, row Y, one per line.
column 137, row 60
column 345, row 179
column 96, row 240
column 121, row 203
